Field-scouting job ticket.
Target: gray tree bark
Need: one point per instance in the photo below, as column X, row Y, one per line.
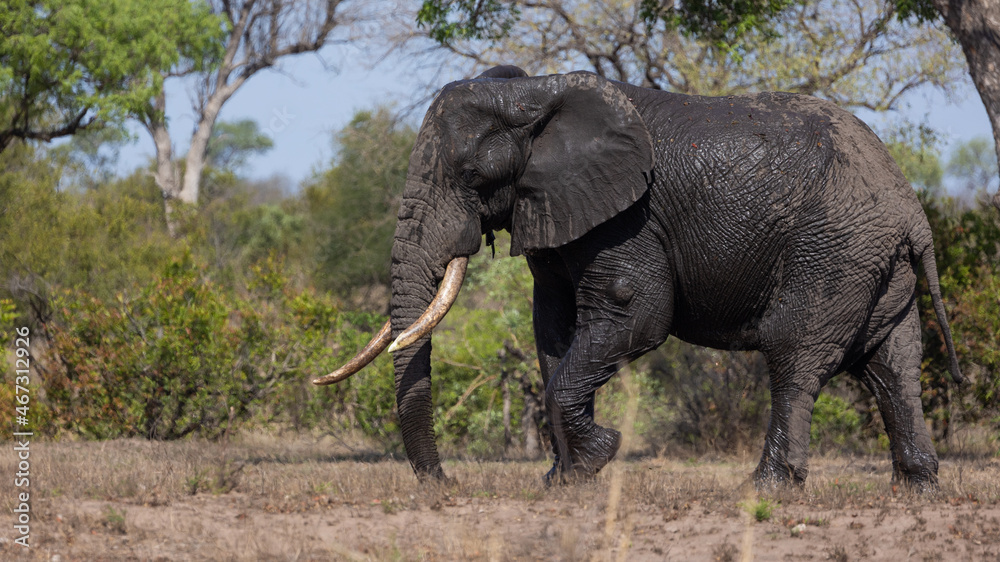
column 976, row 25
column 165, row 175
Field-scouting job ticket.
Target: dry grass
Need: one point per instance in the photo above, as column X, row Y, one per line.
column 276, row 497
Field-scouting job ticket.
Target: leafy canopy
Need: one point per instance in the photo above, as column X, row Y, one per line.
column 353, row 205
column 233, row 143
column 722, row 21
column 69, row 64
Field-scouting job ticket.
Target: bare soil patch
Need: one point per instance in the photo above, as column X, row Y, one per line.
column 300, row 498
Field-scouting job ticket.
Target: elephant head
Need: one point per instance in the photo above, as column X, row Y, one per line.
column 547, row 158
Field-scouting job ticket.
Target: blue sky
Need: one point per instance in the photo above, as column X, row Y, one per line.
column 315, row 95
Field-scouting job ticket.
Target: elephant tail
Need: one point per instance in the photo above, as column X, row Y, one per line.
column 933, row 284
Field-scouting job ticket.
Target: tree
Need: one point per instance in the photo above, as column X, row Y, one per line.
column 256, row 33
column 976, row 26
column 233, row 142
column 353, row 205
column 973, row 165
column 68, row 65
column 855, row 53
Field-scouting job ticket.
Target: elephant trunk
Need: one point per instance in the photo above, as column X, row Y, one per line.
column 434, row 237
column 429, row 257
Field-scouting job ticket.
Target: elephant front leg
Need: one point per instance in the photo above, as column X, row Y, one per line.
column 583, row 447
column 598, row 351
column 554, row 322
column 624, row 308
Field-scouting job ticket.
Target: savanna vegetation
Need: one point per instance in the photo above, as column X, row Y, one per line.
column 136, row 333
column 158, row 316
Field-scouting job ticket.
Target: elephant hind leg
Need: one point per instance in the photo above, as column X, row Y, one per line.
column 892, row 374
column 795, row 381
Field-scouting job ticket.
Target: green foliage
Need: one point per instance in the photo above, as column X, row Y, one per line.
column 492, row 315
column 114, row 520
column 450, row 20
column 239, row 223
column 164, row 364
column 976, row 320
column 233, row 143
column 101, row 239
column 8, row 314
column 352, row 207
column 922, row 10
column 723, row 22
column 967, row 247
column 183, row 355
column 67, row 63
column 759, row 510
column 467, row 19
column 835, row 423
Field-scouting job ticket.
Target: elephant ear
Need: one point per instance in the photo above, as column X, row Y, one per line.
column 590, row 157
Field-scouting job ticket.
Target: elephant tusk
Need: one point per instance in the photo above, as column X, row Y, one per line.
column 364, row 357
column 446, row 295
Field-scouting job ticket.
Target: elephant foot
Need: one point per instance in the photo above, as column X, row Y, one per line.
column 588, row 457
column 435, row 475
column 919, row 486
column 770, row 476
column 922, row 482
column 596, row 450
column 916, row 472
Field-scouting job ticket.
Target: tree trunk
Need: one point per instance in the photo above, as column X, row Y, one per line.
column 505, row 390
column 195, row 159
column 166, row 171
column 976, row 25
column 532, row 418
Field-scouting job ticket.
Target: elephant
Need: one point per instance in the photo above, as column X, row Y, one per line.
column 774, row 222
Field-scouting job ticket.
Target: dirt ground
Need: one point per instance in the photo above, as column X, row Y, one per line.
column 274, row 498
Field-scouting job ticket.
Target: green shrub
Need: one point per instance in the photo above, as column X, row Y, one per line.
column 184, row 355
column 834, row 423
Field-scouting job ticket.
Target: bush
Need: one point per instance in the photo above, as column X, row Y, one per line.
column 967, row 247
column 719, row 399
column 485, row 362
column 835, row 423
column 186, row 356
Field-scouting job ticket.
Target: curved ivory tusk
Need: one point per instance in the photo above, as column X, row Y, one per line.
column 446, row 295
column 364, row 357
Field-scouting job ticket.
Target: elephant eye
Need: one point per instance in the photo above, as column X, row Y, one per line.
column 469, row 176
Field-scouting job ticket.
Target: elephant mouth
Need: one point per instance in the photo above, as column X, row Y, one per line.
column 446, row 295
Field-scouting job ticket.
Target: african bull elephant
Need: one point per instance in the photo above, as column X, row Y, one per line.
column 772, row 222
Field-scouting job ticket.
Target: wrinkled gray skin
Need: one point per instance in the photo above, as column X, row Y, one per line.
column 771, row 222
